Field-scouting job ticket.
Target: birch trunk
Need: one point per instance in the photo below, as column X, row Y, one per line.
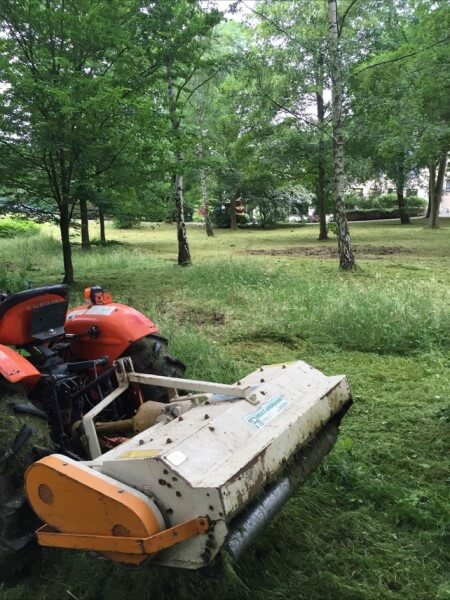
column 323, row 234
column 205, row 202
column 346, row 257
column 437, row 195
column 184, row 255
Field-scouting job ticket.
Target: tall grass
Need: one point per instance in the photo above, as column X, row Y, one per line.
column 371, row 524
column 11, row 227
column 24, row 260
column 259, row 302
column 351, row 313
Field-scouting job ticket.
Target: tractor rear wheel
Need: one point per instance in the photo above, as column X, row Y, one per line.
column 18, row 547
column 18, row 523
column 150, row 355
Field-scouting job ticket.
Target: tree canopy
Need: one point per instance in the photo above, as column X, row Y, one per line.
column 144, row 110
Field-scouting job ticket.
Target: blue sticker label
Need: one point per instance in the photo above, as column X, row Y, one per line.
column 267, row 412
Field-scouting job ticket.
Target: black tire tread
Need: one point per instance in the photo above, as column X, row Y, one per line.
column 150, row 355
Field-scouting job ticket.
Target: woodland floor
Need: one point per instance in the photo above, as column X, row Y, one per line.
column 372, row 522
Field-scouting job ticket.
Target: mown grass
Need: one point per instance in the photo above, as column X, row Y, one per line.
column 372, row 522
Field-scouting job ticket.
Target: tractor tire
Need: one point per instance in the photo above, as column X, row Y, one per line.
column 10, row 425
column 18, row 547
column 150, row 355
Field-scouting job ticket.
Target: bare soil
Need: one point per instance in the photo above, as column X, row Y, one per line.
column 330, row 252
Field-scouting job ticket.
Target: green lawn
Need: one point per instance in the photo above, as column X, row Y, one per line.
column 372, row 523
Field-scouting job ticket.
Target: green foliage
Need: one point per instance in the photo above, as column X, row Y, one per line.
column 21, row 259
column 353, row 200
column 16, row 226
column 220, row 215
column 383, row 206
column 383, row 201
column 390, row 201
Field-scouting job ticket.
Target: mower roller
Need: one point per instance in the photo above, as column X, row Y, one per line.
column 140, row 462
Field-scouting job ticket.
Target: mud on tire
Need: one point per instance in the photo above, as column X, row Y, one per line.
column 150, row 355
column 18, row 547
column 18, row 523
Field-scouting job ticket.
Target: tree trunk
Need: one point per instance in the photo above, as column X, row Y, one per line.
column 85, row 241
column 205, row 202
column 101, row 218
column 404, row 217
column 323, row 234
column 64, row 223
column 184, row 255
column 233, row 219
column 437, row 196
column 431, row 186
column 346, row 257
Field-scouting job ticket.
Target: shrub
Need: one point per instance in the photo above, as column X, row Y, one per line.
column 385, row 201
column 11, row 227
column 352, row 200
column 416, row 203
column 126, row 221
column 220, row 215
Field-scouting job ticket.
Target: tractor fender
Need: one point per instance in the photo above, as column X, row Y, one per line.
column 118, row 327
column 15, row 368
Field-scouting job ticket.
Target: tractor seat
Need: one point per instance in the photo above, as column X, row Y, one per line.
column 14, row 299
column 36, row 314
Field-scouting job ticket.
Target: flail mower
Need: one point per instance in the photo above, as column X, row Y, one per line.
column 105, row 447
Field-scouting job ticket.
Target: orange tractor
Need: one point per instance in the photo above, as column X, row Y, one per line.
column 55, row 365
column 100, row 451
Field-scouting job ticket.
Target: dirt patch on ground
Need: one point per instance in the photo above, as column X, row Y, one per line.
column 331, row 252
column 193, row 315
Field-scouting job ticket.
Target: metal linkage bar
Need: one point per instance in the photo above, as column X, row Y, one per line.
column 88, row 419
column 125, row 375
column 190, row 385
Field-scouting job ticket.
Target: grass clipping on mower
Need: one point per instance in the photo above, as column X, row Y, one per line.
column 10, row 425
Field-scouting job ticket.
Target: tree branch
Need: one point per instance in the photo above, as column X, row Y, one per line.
column 347, row 10
column 398, row 58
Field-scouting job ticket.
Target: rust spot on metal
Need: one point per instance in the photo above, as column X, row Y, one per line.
column 178, row 494
column 212, row 428
column 206, row 417
column 168, row 441
column 180, row 418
